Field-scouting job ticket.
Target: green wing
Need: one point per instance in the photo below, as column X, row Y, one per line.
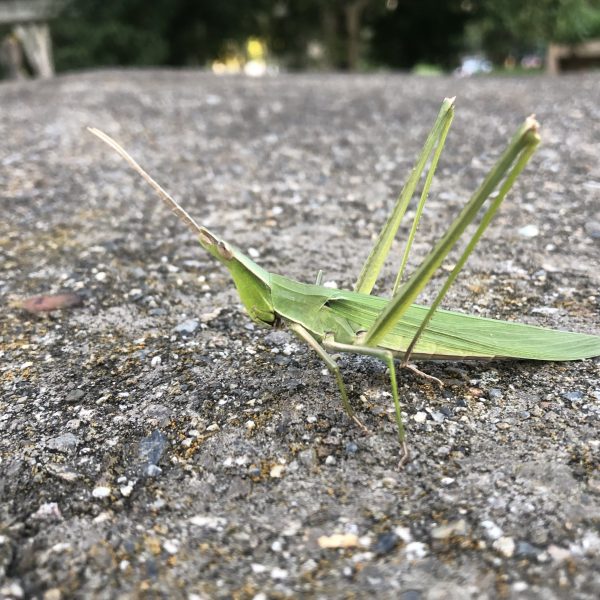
column 452, row 335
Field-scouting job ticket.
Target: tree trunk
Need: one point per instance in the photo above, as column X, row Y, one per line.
column 353, row 13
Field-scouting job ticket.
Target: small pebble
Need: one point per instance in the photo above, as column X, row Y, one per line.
column 557, row 553
column 529, row 231
column 456, row 528
column 52, row 594
column 351, row 448
column 63, row 443
column 404, row 534
column 338, row 540
column 188, row 326
column 385, row 543
column 171, row 546
column 74, row 396
column 438, row 416
column 492, row 531
column 126, row 490
column 526, row 550
column 278, row 573
column 307, row 457
column 420, row 417
column 258, row 568
column 416, row 550
column 590, row 543
column 47, row 511
column 153, row 471
column 443, row 451
column 572, row 396
column 505, row 545
column 277, row 471
column 152, row 447
column 101, row 492
column 330, row 460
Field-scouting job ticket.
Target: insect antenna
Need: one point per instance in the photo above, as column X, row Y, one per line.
column 165, row 196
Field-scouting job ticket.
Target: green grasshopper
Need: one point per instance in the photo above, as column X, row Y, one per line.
column 333, row 321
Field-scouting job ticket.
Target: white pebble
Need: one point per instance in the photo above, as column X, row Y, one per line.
column 505, row 545
column 519, row 586
column 126, row 490
column 278, row 573
column 558, row 554
column 404, row 534
column 257, row 568
column 101, row 492
column 415, row 550
column 156, row 360
column 492, row 531
column 277, row 471
column 420, row 417
column 171, row 546
column 529, row 231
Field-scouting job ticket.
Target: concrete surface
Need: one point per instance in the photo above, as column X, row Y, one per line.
column 157, row 444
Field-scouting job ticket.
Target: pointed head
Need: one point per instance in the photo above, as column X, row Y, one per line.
column 253, row 283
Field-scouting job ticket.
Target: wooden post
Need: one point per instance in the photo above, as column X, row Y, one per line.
column 30, row 37
column 11, row 58
column 35, row 39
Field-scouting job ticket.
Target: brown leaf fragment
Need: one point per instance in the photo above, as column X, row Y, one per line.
column 49, row 302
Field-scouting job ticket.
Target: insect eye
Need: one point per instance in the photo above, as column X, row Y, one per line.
column 224, row 251
column 207, row 239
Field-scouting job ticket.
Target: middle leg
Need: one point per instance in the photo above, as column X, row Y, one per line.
column 388, row 358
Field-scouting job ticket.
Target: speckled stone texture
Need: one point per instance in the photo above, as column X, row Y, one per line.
column 155, row 443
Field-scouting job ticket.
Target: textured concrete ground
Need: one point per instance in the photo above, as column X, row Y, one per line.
column 157, row 444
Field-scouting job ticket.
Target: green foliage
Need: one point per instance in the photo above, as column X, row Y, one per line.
column 505, row 27
column 427, row 31
column 335, row 34
column 110, row 32
column 162, row 32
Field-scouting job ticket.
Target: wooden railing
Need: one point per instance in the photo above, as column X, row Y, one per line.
column 29, row 43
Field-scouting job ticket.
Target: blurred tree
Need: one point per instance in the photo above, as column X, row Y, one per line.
column 512, row 27
column 112, row 32
column 334, row 34
column 325, row 33
column 202, row 30
column 419, row 31
column 137, row 32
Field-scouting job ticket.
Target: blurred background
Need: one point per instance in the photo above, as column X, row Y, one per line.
column 466, row 37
